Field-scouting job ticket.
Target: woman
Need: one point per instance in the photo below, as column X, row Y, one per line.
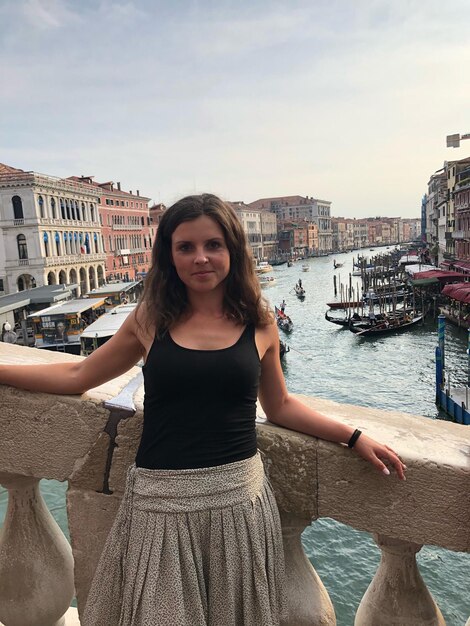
column 197, row 539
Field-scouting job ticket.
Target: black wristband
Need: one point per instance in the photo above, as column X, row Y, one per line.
column 354, row 437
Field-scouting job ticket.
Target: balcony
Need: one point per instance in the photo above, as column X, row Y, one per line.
column 128, row 227
column 461, row 234
column 311, row 479
column 74, row 259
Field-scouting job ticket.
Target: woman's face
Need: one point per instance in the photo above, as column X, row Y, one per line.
column 200, row 254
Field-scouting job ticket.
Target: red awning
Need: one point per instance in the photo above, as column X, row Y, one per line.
column 463, row 265
column 458, row 291
column 441, row 275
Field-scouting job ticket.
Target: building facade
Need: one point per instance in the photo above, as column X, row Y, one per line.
column 298, row 208
column 125, row 229
column 260, row 228
column 50, row 232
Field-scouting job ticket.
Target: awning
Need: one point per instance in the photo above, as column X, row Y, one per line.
column 445, row 265
column 462, row 265
column 430, row 277
column 418, row 267
column 457, row 291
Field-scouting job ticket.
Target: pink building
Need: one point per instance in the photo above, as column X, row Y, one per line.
column 125, row 229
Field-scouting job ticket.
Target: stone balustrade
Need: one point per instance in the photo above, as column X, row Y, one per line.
column 90, row 441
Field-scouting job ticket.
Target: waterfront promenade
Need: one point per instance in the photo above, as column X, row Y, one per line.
column 62, row 437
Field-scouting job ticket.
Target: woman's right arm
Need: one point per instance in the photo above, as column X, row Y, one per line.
column 112, row 359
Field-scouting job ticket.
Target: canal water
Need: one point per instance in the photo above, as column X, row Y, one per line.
column 394, row 372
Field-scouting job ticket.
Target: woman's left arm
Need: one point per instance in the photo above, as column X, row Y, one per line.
column 283, row 409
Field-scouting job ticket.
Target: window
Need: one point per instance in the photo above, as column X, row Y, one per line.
column 22, row 247
column 17, row 208
column 46, row 243
column 41, row 206
column 53, row 208
column 62, row 209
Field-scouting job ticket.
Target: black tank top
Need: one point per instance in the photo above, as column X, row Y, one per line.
column 200, row 405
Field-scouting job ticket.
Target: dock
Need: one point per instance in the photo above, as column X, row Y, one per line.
column 453, row 400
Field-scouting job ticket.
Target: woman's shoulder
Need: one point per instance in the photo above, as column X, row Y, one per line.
column 267, row 336
column 141, row 324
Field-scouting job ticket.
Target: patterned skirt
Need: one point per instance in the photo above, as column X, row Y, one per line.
column 197, row 547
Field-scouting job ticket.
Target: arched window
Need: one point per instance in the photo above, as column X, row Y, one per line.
column 72, row 207
column 41, row 206
column 17, row 208
column 67, row 209
column 53, row 208
column 22, row 247
column 46, row 243
column 62, row 209
column 92, row 211
column 57, row 243
column 95, row 238
column 77, row 210
column 83, row 212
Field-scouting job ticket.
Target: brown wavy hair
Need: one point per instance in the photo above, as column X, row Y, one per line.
column 165, row 298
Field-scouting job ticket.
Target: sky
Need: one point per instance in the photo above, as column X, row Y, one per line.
column 344, row 100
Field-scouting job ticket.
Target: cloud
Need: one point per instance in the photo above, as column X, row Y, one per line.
column 346, row 101
column 47, row 14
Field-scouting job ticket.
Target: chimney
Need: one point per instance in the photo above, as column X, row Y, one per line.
column 130, row 192
column 138, row 192
column 118, row 186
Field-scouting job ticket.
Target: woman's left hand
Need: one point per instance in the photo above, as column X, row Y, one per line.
column 376, row 453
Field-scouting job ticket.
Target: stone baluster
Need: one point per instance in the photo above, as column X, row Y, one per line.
column 36, row 563
column 308, row 602
column 397, row 594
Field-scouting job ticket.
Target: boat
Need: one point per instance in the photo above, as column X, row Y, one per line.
column 357, row 319
column 290, row 263
column 336, row 265
column 283, row 349
column 100, row 331
column 263, row 267
column 299, row 291
column 385, row 327
column 347, row 304
column 386, row 296
column 283, row 321
column 265, row 281
column 305, row 267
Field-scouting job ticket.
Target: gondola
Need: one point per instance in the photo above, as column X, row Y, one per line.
column 345, row 320
column 283, row 349
column 385, row 327
column 390, row 296
column 283, row 321
column 299, row 291
column 356, row 319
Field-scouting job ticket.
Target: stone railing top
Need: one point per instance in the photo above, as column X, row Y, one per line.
column 63, row 437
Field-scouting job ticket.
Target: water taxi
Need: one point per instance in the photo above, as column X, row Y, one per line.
column 263, row 267
column 265, row 281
